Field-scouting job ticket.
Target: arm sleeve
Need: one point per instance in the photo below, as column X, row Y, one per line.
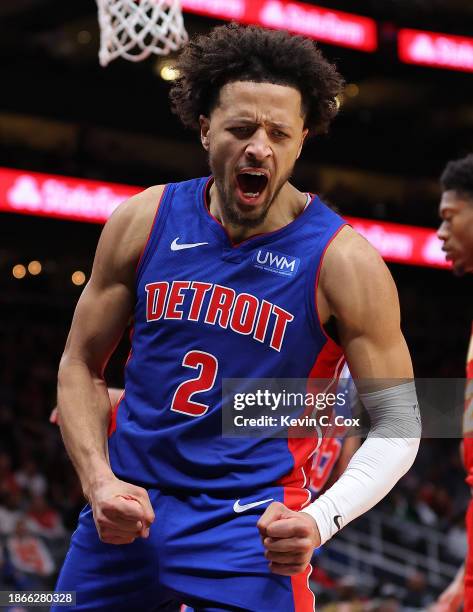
column 385, row 456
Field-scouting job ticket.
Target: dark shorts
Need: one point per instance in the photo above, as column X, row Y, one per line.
column 199, row 552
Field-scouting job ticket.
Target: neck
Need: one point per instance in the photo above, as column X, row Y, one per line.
column 286, row 207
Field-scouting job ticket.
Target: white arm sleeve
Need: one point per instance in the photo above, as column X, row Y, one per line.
column 387, row 454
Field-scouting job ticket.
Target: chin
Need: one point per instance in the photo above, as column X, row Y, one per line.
column 459, row 269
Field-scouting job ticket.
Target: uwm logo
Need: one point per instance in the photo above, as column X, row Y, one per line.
column 271, row 261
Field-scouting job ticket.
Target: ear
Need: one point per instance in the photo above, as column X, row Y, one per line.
column 204, row 131
column 304, row 136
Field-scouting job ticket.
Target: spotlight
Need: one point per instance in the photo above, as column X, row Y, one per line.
column 19, row 271
column 352, row 90
column 167, row 72
column 78, row 278
column 34, row 268
column 84, row 37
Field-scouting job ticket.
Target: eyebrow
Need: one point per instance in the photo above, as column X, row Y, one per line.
column 276, row 124
column 446, row 208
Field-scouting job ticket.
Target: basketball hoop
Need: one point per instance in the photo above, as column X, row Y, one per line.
column 134, row 29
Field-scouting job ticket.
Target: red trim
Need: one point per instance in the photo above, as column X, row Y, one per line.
column 112, row 425
column 304, row 600
column 328, row 366
column 151, row 230
column 325, row 367
column 317, row 277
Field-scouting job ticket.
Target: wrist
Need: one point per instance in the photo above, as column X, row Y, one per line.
column 319, row 515
column 96, row 477
column 316, row 539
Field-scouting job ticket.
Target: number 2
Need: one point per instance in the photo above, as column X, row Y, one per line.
column 207, row 365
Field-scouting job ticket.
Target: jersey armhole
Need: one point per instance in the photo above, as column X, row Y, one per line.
column 154, row 232
column 314, row 307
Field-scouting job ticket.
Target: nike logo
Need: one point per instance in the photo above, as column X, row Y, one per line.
column 180, row 247
column 237, row 507
column 336, row 520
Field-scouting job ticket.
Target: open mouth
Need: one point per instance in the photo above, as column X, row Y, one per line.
column 251, row 183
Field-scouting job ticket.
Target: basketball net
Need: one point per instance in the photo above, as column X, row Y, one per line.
column 134, row 29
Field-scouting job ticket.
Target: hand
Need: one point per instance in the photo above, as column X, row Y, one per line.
column 451, row 599
column 122, row 511
column 289, row 538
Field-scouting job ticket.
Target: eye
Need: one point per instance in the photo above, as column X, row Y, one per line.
column 242, row 131
column 279, row 134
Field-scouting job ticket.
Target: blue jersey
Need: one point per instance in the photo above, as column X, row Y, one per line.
column 207, row 310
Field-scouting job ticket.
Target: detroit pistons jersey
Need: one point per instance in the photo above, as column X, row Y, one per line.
column 207, row 310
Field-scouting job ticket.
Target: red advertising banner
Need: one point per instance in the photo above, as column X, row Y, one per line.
column 62, row 197
column 335, row 27
column 405, row 244
column 435, row 49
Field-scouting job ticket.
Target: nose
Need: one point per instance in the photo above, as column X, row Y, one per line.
column 442, row 233
column 258, row 148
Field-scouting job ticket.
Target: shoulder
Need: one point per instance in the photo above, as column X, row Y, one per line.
column 131, row 222
column 137, row 213
column 125, row 235
column 350, row 256
column 354, row 276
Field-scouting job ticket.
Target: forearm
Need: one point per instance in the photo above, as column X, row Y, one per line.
column 84, row 411
column 460, row 575
column 384, row 457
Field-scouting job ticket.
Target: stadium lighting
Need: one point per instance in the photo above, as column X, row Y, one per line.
column 168, row 73
column 352, row 90
column 78, row 278
column 84, row 37
column 34, row 268
column 19, row 271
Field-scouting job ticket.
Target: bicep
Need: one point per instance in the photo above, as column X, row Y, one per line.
column 107, row 302
column 105, row 306
column 376, row 351
column 364, row 300
column 100, row 318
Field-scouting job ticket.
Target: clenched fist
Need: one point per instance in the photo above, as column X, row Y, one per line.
column 289, row 539
column 122, row 511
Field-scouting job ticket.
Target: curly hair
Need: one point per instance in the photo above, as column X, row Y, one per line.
column 458, row 175
column 232, row 53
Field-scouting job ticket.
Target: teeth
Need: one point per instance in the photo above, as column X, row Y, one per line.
column 255, row 173
column 251, row 195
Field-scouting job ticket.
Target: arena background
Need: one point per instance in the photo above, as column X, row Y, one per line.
column 62, row 114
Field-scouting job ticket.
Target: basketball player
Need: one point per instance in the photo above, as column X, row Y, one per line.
column 237, row 275
column 456, row 233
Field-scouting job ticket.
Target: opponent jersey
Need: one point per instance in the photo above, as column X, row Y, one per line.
column 207, row 310
column 468, row 415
